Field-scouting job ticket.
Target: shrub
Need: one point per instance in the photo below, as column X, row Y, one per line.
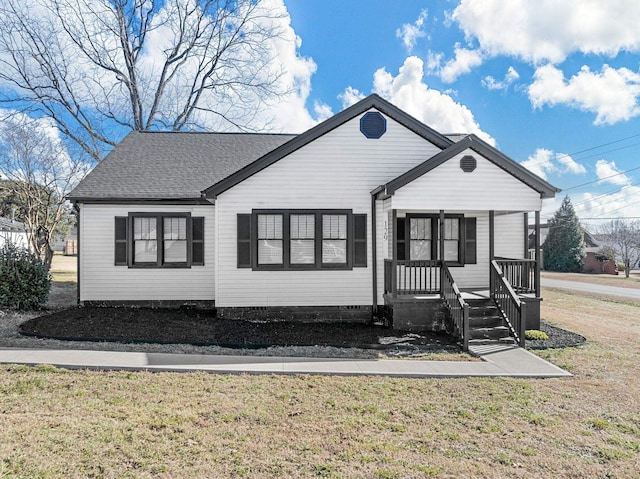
column 24, row 279
column 535, row 334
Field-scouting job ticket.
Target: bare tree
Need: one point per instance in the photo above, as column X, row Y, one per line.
column 36, row 173
column 99, row 68
column 624, row 238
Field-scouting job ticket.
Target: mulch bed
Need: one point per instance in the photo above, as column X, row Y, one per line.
column 202, row 328
column 558, row 338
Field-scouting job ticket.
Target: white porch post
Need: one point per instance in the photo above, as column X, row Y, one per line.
column 537, row 247
column 394, row 259
column 441, row 237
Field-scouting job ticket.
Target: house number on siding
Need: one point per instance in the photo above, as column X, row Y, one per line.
column 386, row 230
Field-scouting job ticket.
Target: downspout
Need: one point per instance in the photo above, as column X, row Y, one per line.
column 76, row 207
column 374, row 257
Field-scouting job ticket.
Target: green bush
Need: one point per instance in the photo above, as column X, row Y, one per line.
column 24, row 279
column 535, row 334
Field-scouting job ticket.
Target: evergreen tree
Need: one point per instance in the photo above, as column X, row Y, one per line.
column 564, row 247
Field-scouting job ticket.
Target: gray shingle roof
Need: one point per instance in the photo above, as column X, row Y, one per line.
column 172, row 165
column 13, row 226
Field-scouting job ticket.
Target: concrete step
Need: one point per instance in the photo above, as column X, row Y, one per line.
column 488, row 342
column 475, row 311
column 497, row 332
column 485, row 321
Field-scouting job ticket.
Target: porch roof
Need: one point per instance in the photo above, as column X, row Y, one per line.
column 487, row 151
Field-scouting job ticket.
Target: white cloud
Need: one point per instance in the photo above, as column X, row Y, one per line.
column 491, row 83
column 288, row 113
column 608, row 172
column 350, row 96
column 612, row 93
column 544, row 162
column 569, row 165
column 322, row 111
column 407, row 91
column 463, row 62
column 540, row 163
column 409, row 33
column 623, row 203
column 550, row 30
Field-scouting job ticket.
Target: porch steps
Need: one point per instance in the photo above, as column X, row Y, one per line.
column 486, row 325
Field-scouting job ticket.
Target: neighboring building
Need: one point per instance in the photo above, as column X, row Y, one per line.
column 67, row 245
column 591, row 263
column 12, row 231
column 347, row 220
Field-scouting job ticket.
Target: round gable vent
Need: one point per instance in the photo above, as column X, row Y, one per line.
column 468, row 163
column 373, row 125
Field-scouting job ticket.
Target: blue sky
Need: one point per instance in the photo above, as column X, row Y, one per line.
column 545, row 80
column 554, row 84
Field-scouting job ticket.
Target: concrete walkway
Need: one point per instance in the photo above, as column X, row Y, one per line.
column 500, row 360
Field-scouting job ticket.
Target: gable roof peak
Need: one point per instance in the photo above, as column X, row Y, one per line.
column 371, row 101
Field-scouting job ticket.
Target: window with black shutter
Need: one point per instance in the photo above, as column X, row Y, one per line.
column 159, row 240
column 301, row 239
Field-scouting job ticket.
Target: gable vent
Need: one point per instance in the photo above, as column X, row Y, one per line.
column 373, row 125
column 468, row 164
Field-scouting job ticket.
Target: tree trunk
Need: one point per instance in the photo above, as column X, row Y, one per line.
column 627, row 268
column 48, row 256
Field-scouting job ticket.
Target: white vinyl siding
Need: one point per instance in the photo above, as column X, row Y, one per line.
column 447, row 187
column 16, row 238
column 336, row 171
column 101, row 280
column 509, row 241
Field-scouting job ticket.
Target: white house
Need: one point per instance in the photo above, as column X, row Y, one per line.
column 368, row 213
column 13, row 232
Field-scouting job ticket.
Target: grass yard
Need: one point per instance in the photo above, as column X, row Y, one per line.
column 633, row 281
column 64, row 281
column 58, row 423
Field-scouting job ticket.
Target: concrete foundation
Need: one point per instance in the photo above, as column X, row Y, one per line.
column 416, row 314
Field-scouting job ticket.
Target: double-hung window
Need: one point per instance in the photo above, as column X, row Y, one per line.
column 159, row 240
column 145, row 240
column 270, row 239
column 452, row 240
column 419, row 238
column 334, row 239
column 302, row 239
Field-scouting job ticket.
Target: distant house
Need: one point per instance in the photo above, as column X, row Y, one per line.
column 368, row 214
column 67, row 245
column 14, row 232
column 591, row 263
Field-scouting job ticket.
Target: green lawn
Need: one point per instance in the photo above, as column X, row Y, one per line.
column 58, row 423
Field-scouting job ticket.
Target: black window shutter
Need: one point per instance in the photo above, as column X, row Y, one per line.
column 197, row 240
column 244, row 241
column 120, row 255
column 359, row 241
column 470, row 241
column 400, row 236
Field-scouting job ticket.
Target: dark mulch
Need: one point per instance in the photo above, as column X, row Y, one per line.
column 558, row 338
column 200, row 327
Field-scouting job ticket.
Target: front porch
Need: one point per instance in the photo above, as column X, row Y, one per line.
column 422, row 295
